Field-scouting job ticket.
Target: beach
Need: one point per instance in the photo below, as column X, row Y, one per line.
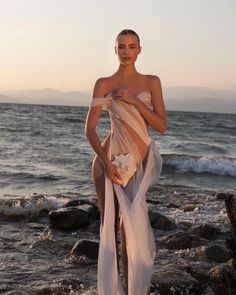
column 46, row 163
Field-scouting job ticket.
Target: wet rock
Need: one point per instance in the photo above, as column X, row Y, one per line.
column 172, row 205
column 44, row 291
column 81, row 201
column 94, row 227
column 61, row 287
column 216, row 253
column 199, row 271
column 85, row 247
column 72, row 217
column 206, row 231
column 221, row 196
column 159, row 221
column 190, row 207
column 179, row 240
column 198, row 241
column 225, row 277
column 185, row 224
column 153, row 201
column 174, row 281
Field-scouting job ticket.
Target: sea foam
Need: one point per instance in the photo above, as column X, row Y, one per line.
column 28, row 205
column 212, row 165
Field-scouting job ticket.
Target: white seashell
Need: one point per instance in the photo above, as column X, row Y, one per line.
column 126, row 166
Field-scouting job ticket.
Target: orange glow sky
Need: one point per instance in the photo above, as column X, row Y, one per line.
column 68, row 44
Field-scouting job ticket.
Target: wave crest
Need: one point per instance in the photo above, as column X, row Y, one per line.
column 213, row 165
column 28, row 205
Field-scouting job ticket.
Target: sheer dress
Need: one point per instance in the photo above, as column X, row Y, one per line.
column 139, row 163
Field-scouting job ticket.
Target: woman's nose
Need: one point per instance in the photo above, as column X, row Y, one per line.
column 126, row 50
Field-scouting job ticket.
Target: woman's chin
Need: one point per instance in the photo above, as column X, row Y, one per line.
column 126, row 63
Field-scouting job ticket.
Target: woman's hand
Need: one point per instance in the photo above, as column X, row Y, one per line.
column 124, row 95
column 112, row 172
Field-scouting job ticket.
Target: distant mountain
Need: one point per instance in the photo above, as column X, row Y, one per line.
column 46, row 96
column 196, row 92
column 198, row 99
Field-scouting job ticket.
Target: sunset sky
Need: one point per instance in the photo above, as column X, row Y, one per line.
column 68, row 44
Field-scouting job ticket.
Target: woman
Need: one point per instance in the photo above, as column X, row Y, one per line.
column 127, row 162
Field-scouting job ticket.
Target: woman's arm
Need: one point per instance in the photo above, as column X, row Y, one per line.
column 90, row 131
column 157, row 117
column 92, row 121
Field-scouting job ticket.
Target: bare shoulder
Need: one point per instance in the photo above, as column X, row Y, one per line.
column 101, row 82
column 101, row 86
column 153, row 81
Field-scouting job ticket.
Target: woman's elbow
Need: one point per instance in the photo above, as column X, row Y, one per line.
column 163, row 130
column 163, row 126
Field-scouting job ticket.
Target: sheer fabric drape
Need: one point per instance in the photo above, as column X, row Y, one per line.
column 138, row 155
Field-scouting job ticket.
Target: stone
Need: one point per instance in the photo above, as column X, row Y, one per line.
column 174, row 281
column 221, row 196
column 81, row 201
column 159, row 221
column 179, row 240
column 217, row 253
column 94, row 227
column 153, row 201
column 199, row 271
column 206, row 231
column 225, row 277
column 72, row 217
column 185, row 224
column 85, row 247
column 60, row 287
column 190, row 207
column 172, row 205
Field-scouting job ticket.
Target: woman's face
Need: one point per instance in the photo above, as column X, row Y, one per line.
column 127, row 49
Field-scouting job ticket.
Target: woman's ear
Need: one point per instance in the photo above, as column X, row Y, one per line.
column 115, row 50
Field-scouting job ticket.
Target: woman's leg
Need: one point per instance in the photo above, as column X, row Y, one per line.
column 99, row 182
column 98, row 174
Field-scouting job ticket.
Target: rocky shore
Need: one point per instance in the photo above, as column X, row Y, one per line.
column 192, row 254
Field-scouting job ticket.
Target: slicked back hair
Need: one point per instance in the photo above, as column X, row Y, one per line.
column 129, row 32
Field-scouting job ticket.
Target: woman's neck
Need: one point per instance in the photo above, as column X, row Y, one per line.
column 127, row 71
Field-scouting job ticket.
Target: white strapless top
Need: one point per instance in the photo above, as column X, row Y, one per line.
column 106, row 101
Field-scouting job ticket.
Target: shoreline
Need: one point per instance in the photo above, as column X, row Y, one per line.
column 190, row 229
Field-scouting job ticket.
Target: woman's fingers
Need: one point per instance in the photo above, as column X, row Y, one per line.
column 112, row 172
column 116, row 177
column 118, row 92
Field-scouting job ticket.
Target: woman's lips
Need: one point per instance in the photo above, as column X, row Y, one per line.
column 127, row 58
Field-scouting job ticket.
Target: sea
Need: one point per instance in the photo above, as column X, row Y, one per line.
column 45, row 160
column 43, row 149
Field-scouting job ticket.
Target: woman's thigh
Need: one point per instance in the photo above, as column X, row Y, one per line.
column 99, row 175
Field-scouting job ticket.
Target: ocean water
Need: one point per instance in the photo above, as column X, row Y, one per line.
column 43, row 150
column 45, row 160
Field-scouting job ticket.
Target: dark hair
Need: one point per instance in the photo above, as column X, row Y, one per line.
column 128, row 32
